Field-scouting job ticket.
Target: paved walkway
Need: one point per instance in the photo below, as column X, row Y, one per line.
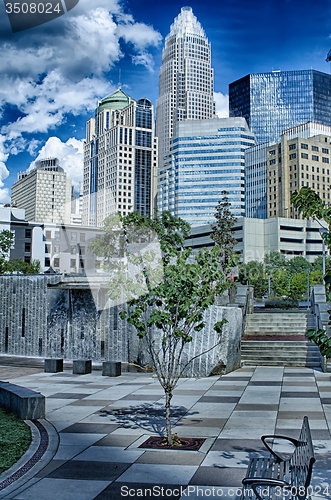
column 102, row 422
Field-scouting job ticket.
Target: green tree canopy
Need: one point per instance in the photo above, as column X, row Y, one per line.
column 254, row 274
column 275, row 261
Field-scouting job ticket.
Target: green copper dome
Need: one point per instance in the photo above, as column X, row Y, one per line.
column 117, row 100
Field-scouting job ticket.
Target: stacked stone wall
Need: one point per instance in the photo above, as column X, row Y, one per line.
column 42, row 316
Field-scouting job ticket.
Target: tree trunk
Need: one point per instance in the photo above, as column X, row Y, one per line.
column 168, row 421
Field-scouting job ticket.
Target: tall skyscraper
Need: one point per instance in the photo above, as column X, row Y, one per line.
column 275, row 101
column 44, row 193
column 186, row 78
column 120, row 159
column 206, row 157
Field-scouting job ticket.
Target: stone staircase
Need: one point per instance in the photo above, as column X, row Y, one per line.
column 278, row 339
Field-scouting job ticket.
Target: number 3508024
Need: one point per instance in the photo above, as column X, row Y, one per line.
column 32, row 8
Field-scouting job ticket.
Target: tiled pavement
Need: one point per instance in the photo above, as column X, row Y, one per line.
column 102, row 422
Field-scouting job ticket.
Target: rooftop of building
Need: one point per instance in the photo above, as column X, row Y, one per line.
column 117, row 100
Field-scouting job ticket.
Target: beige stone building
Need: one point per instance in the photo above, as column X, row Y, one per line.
column 44, row 193
column 293, row 163
column 120, row 159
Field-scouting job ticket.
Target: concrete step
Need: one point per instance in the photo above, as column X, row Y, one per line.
column 299, row 364
column 280, row 353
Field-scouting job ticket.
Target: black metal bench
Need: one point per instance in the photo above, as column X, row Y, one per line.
column 279, row 478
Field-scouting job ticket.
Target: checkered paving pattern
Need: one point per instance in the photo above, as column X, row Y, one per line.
column 102, row 422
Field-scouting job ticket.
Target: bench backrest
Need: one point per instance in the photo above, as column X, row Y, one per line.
column 302, row 461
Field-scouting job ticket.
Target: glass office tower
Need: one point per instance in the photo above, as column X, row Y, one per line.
column 273, row 102
column 206, row 157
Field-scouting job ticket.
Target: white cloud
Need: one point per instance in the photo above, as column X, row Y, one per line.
column 4, row 173
column 145, row 59
column 61, row 69
column 70, row 154
column 33, row 146
column 222, row 104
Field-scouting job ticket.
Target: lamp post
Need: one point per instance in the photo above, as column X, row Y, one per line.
column 308, row 271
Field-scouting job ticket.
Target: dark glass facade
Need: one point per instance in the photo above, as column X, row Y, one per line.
column 273, row 102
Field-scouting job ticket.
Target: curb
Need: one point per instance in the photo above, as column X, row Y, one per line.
column 45, row 442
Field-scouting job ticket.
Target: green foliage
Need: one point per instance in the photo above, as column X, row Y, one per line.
column 222, row 233
column 275, row 261
column 298, row 285
column 308, row 202
column 15, row 438
column 318, row 263
column 321, row 340
column 280, row 283
column 281, row 304
column 299, row 265
column 254, row 274
column 16, row 266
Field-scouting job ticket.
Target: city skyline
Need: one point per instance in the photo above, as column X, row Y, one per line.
column 53, row 75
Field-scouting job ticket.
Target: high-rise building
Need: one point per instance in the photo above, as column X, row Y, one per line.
column 258, row 160
column 298, row 161
column 44, row 193
column 186, row 86
column 256, row 181
column 120, row 159
column 275, row 101
column 206, row 157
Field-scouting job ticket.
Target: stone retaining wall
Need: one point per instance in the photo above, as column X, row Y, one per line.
column 47, row 316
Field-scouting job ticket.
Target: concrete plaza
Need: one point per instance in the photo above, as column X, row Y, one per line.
column 101, row 422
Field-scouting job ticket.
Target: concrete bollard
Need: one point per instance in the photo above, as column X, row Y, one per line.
column 81, row 366
column 53, row 365
column 111, row 368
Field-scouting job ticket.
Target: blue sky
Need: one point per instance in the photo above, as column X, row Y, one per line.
column 53, row 75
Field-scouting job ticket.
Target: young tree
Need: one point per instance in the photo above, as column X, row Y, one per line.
column 169, row 293
column 222, row 232
column 6, row 241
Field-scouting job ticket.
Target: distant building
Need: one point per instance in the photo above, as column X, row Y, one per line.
column 206, row 157
column 258, row 237
column 294, row 162
column 44, row 193
column 256, row 181
column 120, row 159
column 274, row 101
column 186, row 89
column 272, row 199
column 64, row 248
column 77, row 206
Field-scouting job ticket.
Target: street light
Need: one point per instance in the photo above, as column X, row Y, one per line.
column 308, row 271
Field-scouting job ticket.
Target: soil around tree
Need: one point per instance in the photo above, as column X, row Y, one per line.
column 160, row 443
